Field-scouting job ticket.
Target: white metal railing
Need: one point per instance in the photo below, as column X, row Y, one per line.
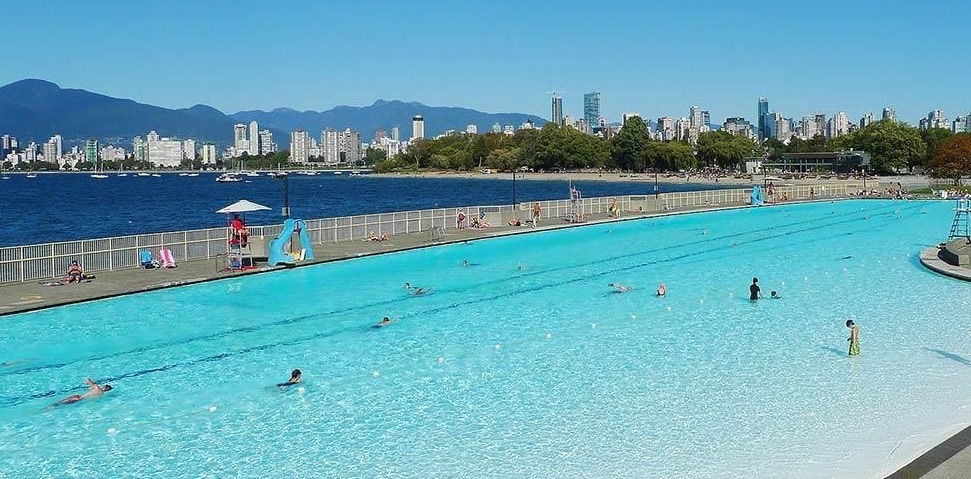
column 51, row 260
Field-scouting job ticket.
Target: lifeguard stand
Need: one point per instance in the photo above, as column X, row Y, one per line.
column 576, row 205
column 961, row 226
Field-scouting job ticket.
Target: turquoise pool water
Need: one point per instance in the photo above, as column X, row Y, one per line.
column 523, row 365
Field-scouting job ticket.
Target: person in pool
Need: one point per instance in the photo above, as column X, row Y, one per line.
column 295, row 378
column 414, row 290
column 94, row 390
column 774, row 294
column 854, row 338
column 384, row 322
column 754, row 291
column 620, row 288
column 662, row 290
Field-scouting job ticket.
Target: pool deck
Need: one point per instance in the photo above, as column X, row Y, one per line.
column 950, row 459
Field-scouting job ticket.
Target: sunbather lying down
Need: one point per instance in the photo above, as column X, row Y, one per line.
column 478, row 224
column 372, row 236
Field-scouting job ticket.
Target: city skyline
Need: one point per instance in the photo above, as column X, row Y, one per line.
column 856, row 58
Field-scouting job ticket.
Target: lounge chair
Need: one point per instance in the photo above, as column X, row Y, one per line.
column 168, row 261
column 146, row 260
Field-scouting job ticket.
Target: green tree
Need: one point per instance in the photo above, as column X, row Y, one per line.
column 722, row 149
column 934, row 138
column 627, row 146
column 420, row 151
column 953, row 158
column 892, row 146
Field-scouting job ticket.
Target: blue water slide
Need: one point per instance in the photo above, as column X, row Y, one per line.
column 757, row 199
column 278, row 255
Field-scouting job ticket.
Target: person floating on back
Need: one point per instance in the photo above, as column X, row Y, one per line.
column 662, row 290
column 94, row 390
column 295, row 377
column 754, row 291
column 620, row 288
column 854, row 338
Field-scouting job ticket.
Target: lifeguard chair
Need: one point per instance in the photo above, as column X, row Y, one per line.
column 239, row 254
column 576, row 206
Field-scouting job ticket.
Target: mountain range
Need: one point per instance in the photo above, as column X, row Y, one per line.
column 34, row 110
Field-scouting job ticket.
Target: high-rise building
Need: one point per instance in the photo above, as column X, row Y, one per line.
column 838, row 126
column 330, row 145
column 352, row 146
column 471, row 129
column 866, row 121
column 139, row 149
column 209, row 154
column 739, row 126
column 267, row 146
column 591, row 108
column 239, row 138
column 935, row 119
column 496, row 128
column 395, row 134
column 91, row 151
column 189, row 149
column 763, row 118
column 299, row 146
column 254, row 138
column 695, row 117
column 959, row 125
column 164, row 151
column 665, row 128
column 820, row 120
column 706, row 120
column 417, row 127
column 889, row 114
column 557, row 117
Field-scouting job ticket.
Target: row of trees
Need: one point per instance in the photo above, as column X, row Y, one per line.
column 557, row 148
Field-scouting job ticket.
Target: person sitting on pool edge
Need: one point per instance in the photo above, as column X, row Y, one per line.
column 94, row 390
column 662, row 290
column 754, row 291
column 295, row 378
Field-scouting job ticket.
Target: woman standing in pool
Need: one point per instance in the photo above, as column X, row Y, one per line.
column 854, row 338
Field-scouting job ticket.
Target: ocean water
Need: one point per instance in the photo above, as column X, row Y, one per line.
column 67, row 206
column 525, row 364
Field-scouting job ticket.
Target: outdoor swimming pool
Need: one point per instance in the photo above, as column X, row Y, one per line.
column 523, row 365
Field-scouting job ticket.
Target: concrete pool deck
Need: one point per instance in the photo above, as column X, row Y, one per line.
column 950, row 459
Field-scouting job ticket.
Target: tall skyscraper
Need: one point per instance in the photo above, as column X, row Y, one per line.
column 239, row 138
column 300, row 146
column 763, row 118
column 267, row 145
column 694, row 117
column 209, row 153
column 591, row 108
column 352, row 146
column 91, row 151
column 417, row 127
column 254, row 138
column 330, row 143
column 395, row 134
column 189, row 149
column 820, row 119
column 557, row 111
column 841, row 125
column 889, row 114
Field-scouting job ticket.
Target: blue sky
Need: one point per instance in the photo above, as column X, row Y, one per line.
column 654, row 58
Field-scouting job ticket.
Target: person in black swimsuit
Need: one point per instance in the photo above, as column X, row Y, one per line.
column 754, row 291
column 295, row 378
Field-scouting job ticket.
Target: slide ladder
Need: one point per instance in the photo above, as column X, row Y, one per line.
column 277, row 253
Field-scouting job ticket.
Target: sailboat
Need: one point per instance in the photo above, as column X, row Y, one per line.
column 121, row 170
column 99, row 172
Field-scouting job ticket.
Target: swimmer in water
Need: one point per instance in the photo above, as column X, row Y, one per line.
column 854, row 338
column 416, row 291
column 754, row 291
column 620, row 288
column 94, row 390
column 295, row 378
column 774, row 295
column 662, row 290
column 384, row 322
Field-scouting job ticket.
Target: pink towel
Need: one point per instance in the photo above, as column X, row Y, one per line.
column 168, row 261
